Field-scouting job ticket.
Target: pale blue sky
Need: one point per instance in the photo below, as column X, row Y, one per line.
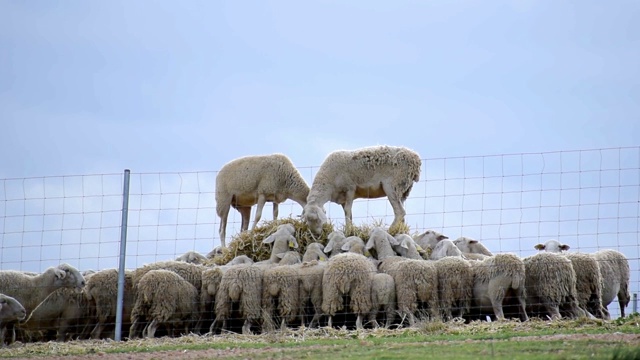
column 184, row 87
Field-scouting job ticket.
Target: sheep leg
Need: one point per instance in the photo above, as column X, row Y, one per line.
column 261, row 201
column 348, row 205
column 359, row 322
column 224, row 215
column 522, row 307
column 554, row 311
column 245, row 213
column 151, row 329
column 275, row 210
column 396, row 203
column 246, row 327
column 330, row 321
column 97, row 330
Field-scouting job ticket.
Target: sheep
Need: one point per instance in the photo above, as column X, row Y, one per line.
column 407, row 247
column 65, row 310
column 455, row 286
column 551, row 285
column 589, row 280
column 252, row 180
column 240, row 259
column 416, row 280
column 614, row 268
column 314, row 251
column 370, row 172
column 383, row 294
column 335, row 240
column 192, row 257
column 310, row 275
column 11, row 311
column 30, row 289
column 216, row 251
column 211, row 278
column 102, row 291
column 497, row 278
column 429, row 239
column 280, row 283
column 445, row 248
column 164, row 297
column 471, row 246
column 282, row 240
column 347, row 274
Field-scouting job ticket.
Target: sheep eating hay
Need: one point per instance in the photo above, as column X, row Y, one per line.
column 369, row 173
column 252, row 180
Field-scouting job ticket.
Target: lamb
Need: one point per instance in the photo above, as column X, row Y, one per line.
column 65, row 310
column 588, row 277
column 407, row 247
column 445, row 248
column 429, row 239
column 471, row 246
column 102, row 291
column 30, row 290
column 164, row 297
column 369, row 173
column 416, row 280
column 251, row 180
column 282, row 240
column 310, row 275
column 551, row 285
column 383, row 295
column 192, row 257
column 347, row 274
column 11, row 311
column 495, row 279
column 315, row 251
column 240, row 259
column 614, row 268
column 335, row 240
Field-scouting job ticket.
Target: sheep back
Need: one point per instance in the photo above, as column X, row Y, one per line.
column 347, row 274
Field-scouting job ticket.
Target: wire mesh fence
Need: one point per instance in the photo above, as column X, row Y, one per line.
column 587, row 199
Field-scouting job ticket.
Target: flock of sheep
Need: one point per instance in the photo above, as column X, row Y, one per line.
column 392, row 279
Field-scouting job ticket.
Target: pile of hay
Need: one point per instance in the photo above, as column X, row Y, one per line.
column 249, row 242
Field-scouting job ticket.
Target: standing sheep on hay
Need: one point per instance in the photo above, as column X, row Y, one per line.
column 164, row 297
column 369, row 173
column 102, row 292
column 11, row 311
column 347, row 274
column 30, row 290
column 416, row 280
column 589, row 280
column 551, row 285
column 252, row 180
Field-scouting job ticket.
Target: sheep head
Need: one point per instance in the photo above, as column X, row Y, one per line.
column 315, row 218
column 553, row 246
column 11, row 309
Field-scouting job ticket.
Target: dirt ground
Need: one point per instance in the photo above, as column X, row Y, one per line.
column 631, row 339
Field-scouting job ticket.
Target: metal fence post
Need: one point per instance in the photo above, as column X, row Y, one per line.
column 123, row 252
column 635, row 303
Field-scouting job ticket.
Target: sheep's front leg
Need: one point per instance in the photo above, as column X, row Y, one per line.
column 396, row 203
column 359, row 322
column 151, row 329
column 348, row 205
column 246, row 327
column 261, row 201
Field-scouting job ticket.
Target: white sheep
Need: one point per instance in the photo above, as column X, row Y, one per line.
column 282, row 240
column 589, row 280
column 192, row 257
column 416, row 280
column 471, row 246
column 495, row 279
column 314, row 251
column 65, row 310
column 429, row 239
column 164, row 297
column 252, row 180
column 347, row 274
column 370, row 172
column 280, row 285
column 407, row 247
column 551, row 285
column 240, row 259
column 383, row 297
column 445, row 248
column 614, row 268
column 455, row 286
column 11, row 311
column 335, row 240
column 31, row 289
column 102, row 291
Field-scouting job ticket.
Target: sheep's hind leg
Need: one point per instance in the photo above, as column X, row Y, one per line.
column 245, row 212
column 261, row 202
column 398, row 209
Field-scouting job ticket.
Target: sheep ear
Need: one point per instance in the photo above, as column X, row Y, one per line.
column 392, row 240
column 345, row 247
column 269, row 239
column 473, row 241
column 60, row 274
column 293, row 243
column 328, row 248
column 405, row 243
column 564, row 247
column 281, row 255
column 369, row 245
column 442, row 237
column 539, row 247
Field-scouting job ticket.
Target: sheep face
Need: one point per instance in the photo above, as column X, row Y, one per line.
column 11, row 309
column 315, row 218
column 553, row 246
column 68, row 276
column 429, row 238
column 471, row 246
